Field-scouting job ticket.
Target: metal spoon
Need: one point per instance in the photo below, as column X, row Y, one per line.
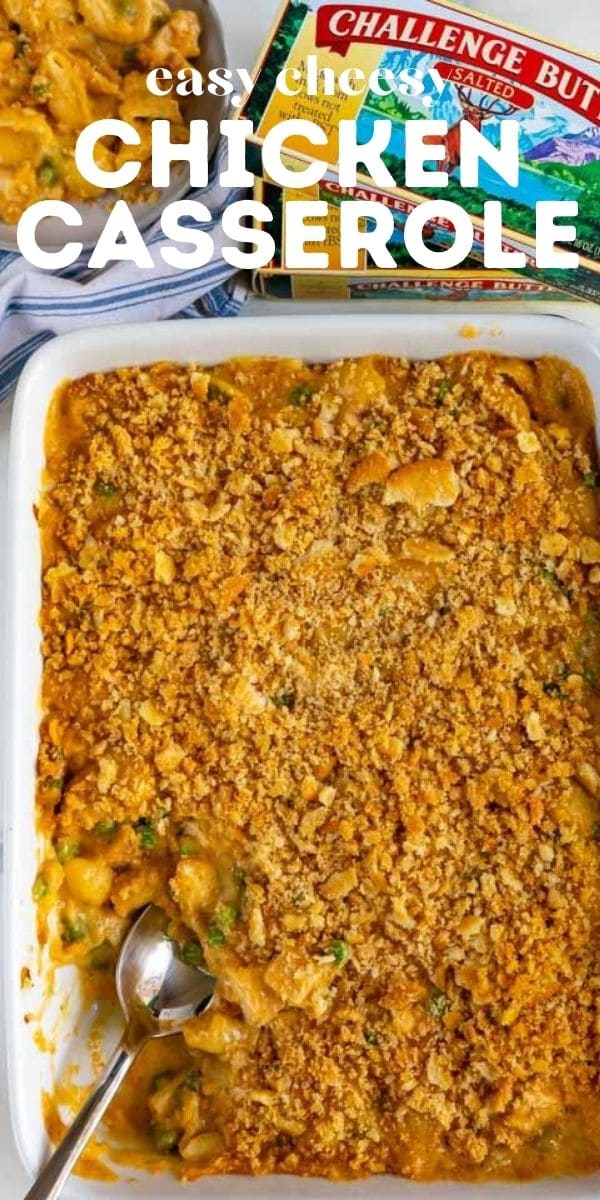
column 158, row 993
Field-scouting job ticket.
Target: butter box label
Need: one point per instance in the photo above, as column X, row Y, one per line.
column 279, row 280
column 394, row 285
column 470, row 67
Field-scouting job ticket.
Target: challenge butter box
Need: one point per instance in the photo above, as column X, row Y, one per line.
column 278, row 280
column 487, row 71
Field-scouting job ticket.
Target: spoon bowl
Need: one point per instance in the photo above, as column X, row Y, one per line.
column 158, row 993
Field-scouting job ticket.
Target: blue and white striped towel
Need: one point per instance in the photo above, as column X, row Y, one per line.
column 35, row 305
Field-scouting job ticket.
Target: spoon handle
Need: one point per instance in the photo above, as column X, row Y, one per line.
column 57, row 1170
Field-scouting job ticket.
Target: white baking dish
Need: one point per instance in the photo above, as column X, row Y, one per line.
column 322, row 339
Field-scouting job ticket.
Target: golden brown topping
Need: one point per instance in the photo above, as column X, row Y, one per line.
column 425, row 550
column 373, row 468
column 430, row 481
column 351, row 747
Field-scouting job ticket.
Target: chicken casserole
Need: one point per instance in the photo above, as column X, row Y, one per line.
column 320, row 678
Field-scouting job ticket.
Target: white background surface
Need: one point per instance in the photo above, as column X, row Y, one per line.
column 246, row 22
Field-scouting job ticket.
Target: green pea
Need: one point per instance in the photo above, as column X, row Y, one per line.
column 442, row 392
column 551, row 577
column 105, row 489
column 40, row 889
column 126, row 8
column 193, row 1081
column 591, row 479
column 65, row 851
column 147, row 834
column 73, row 931
column 161, row 1080
column 131, row 57
column 165, row 1139
column 437, row 1003
column 217, row 393
column 340, row 951
column 191, row 953
column 215, row 936
column 48, row 173
column 297, row 395
column 226, row 916
column 106, row 829
column 188, row 847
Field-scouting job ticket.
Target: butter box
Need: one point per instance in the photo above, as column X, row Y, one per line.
column 444, row 62
column 279, row 280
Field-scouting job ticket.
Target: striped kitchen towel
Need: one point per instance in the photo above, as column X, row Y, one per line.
column 36, row 305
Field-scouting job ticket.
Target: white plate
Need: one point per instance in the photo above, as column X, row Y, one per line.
column 51, row 234
column 329, row 338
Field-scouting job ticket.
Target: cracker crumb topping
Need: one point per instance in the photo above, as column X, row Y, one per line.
column 321, row 678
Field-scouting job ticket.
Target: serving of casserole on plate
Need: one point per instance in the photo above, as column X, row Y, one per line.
column 320, row 655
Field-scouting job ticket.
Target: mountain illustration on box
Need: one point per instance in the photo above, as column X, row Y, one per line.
column 575, row 149
column 559, row 151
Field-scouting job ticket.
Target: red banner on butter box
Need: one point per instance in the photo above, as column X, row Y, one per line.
column 339, row 26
